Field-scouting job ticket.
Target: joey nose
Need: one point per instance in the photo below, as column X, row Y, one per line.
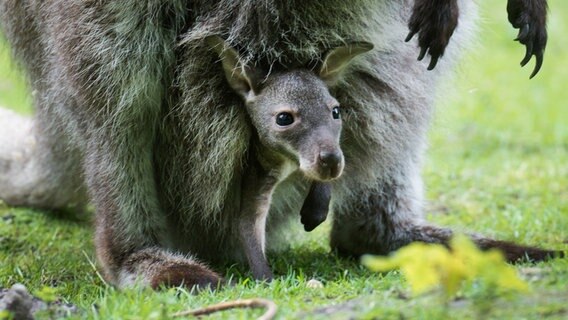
column 330, row 159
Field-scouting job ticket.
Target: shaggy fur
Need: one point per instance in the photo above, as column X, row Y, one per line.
column 161, row 140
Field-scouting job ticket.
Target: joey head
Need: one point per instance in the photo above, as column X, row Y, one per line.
column 297, row 126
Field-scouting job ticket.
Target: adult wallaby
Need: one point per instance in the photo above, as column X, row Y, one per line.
column 297, row 125
column 131, row 102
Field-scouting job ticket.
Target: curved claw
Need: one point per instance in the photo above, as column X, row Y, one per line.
column 433, row 62
column 538, row 65
column 422, row 53
column 523, row 32
column 410, row 35
column 528, row 54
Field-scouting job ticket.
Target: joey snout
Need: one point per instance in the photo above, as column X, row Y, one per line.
column 325, row 164
column 330, row 164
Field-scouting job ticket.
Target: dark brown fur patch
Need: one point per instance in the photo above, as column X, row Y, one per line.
column 515, row 252
column 190, row 276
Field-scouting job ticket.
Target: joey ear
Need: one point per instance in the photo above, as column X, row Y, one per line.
column 237, row 73
column 338, row 59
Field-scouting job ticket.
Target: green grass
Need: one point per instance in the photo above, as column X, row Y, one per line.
column 497, row 164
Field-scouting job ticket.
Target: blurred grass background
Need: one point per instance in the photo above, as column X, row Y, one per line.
column 499, row 145
column 14, row 93
column 497, row 164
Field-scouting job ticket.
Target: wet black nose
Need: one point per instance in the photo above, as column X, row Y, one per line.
column 330, row 159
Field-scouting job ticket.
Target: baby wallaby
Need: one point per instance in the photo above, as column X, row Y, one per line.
column 297, row 127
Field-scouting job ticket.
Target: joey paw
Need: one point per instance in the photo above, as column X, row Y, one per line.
column 312, row 221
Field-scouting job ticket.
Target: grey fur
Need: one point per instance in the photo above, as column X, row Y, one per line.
column 161, row 139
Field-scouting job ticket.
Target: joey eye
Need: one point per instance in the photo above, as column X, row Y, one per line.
column 284, row 119
column 336, row 113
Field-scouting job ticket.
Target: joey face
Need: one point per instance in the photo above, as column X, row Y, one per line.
column 299, row 121
column 295, row 116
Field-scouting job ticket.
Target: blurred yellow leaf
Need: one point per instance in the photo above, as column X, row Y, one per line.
column 4, row 314
column 427, row 266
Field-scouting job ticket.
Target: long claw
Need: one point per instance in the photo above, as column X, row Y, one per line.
column 433, row 63
column 410, row 35
column 422, row 53
column 528, row 54
column 538, row 65
column 523, row 32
